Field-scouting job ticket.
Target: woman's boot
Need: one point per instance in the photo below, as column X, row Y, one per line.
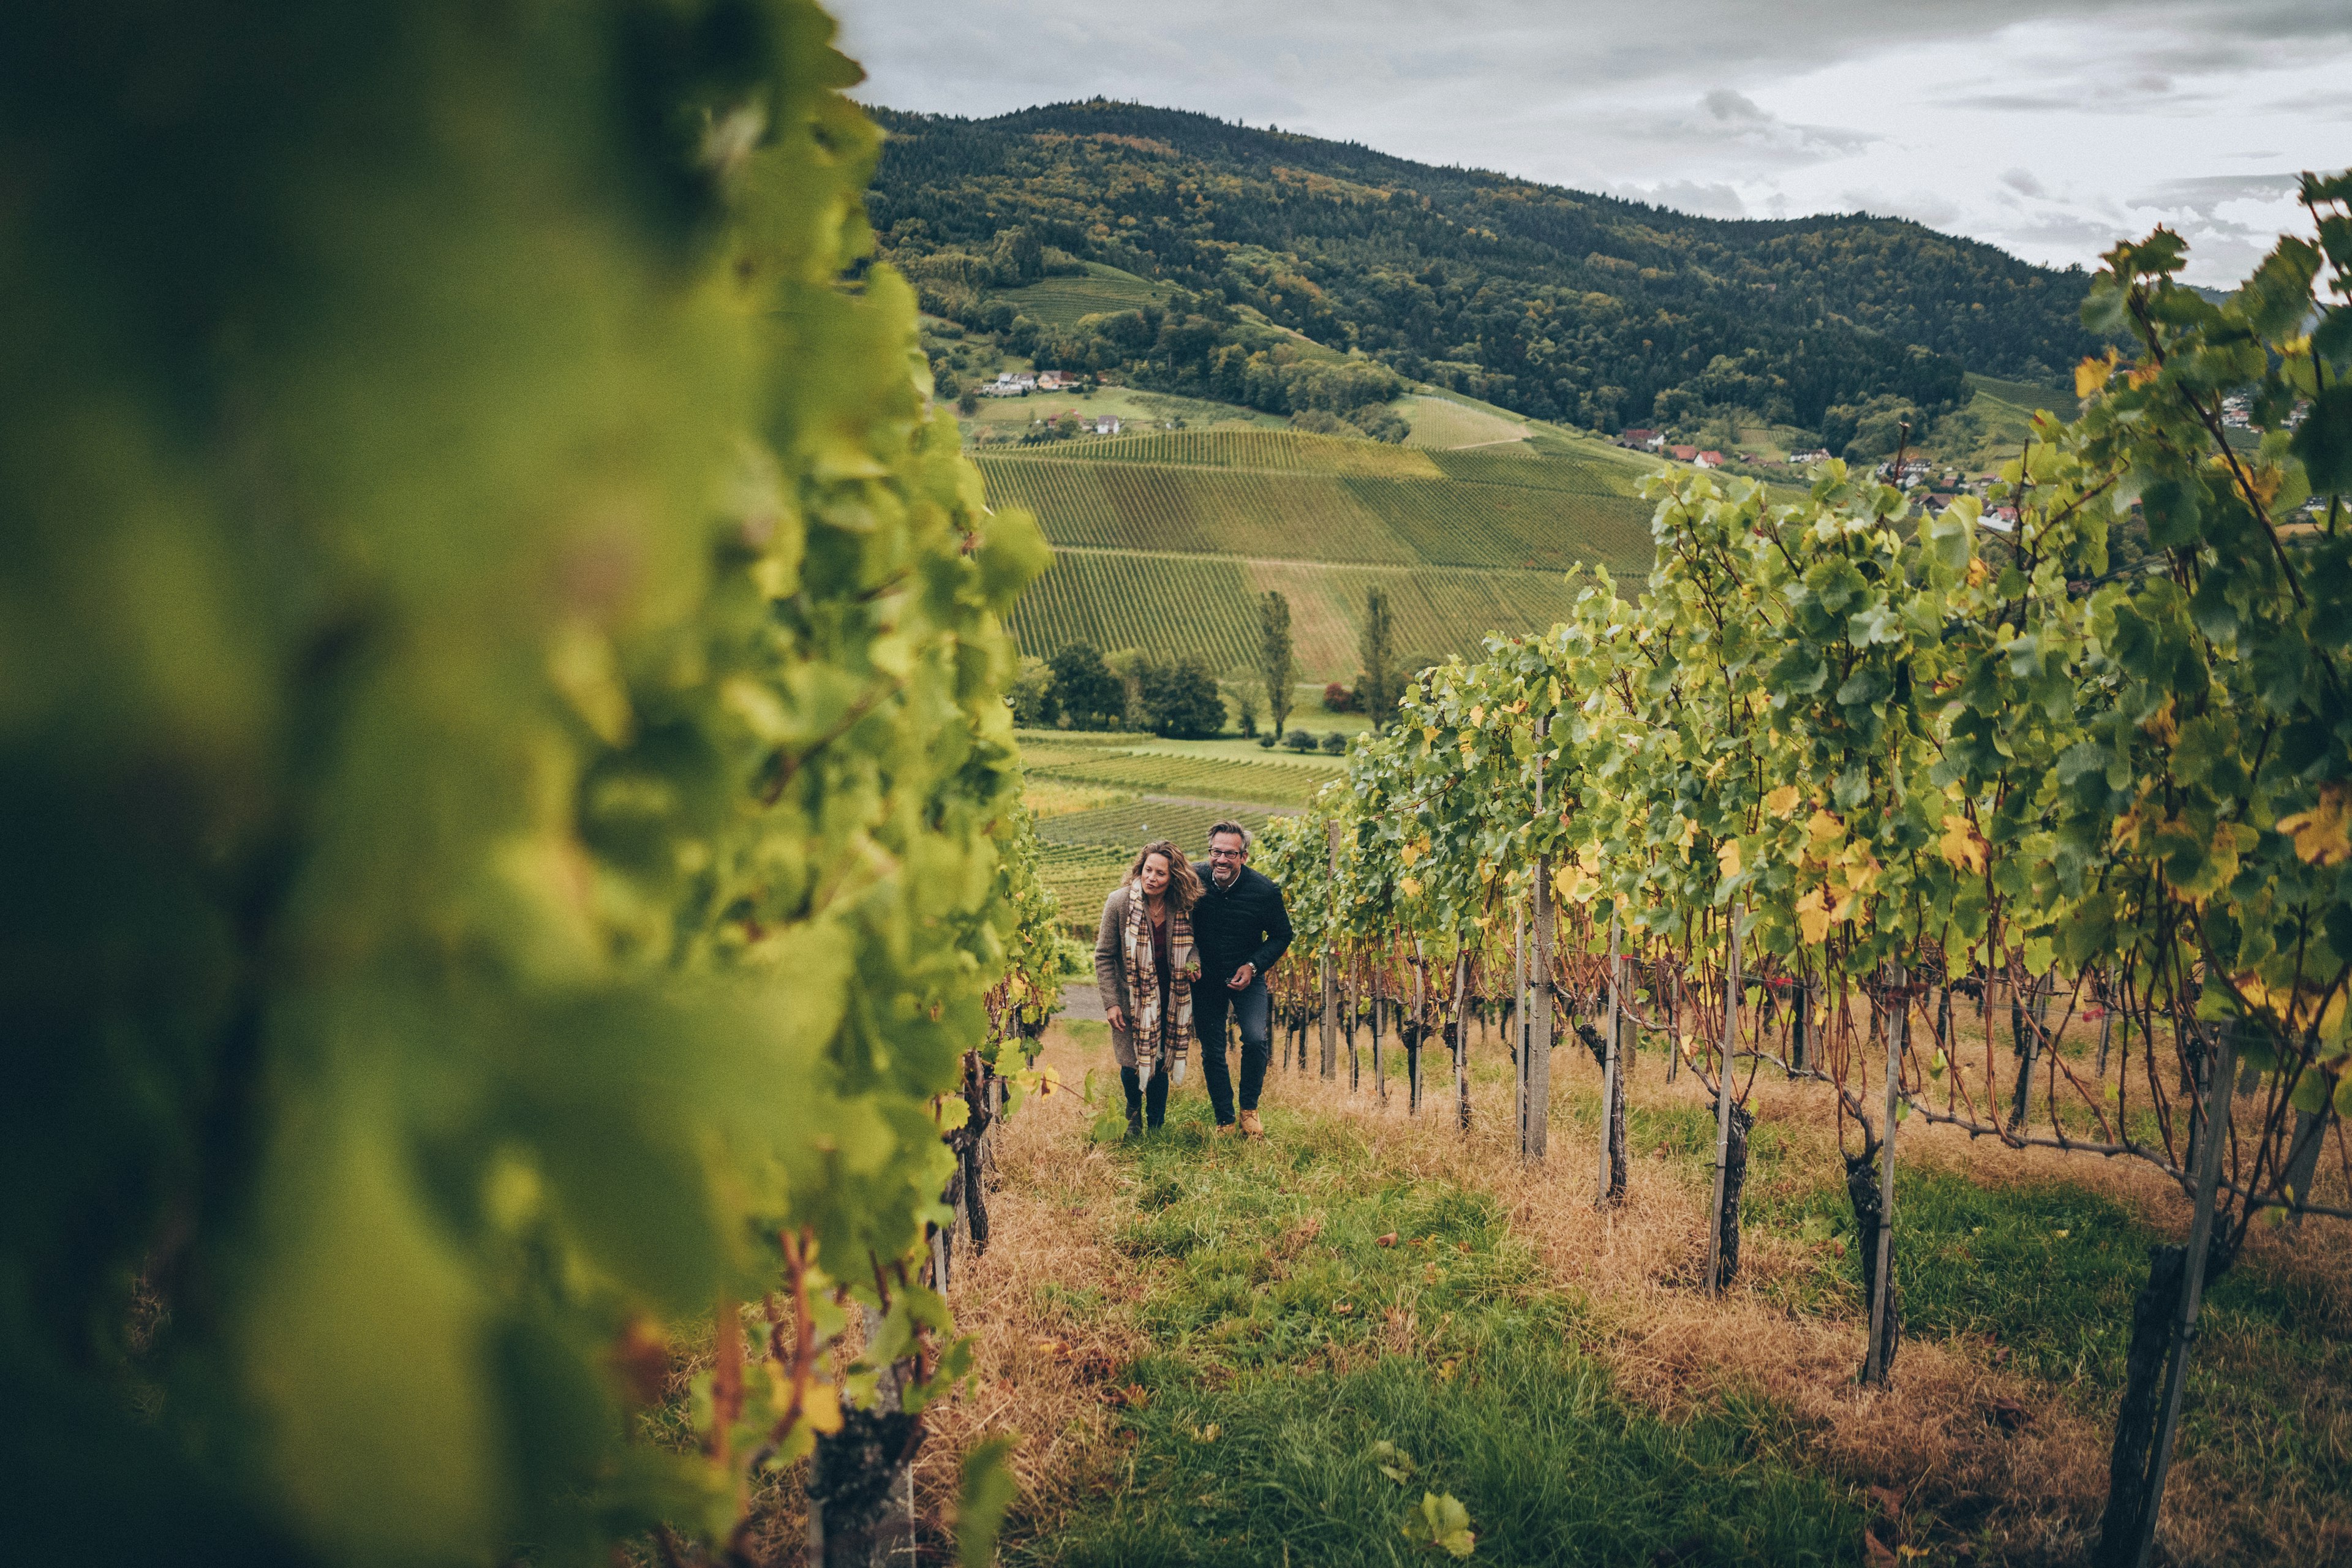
column 1155, row 1101
column 1134, row 1086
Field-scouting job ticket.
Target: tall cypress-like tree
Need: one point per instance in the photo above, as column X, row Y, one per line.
column 1274, row 660
column 1376, row 651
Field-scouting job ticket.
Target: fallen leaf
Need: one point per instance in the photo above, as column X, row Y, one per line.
column 2008, row 1414
column 1388, row 1240
column 1342, row 1308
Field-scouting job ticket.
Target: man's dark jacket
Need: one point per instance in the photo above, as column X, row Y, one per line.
column 1244, row 925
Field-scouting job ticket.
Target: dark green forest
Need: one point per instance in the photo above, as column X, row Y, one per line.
column 1556, row 303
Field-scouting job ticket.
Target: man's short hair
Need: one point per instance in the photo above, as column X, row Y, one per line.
column 1230, row 828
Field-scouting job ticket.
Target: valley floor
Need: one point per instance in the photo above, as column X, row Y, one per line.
column 1217, row 1352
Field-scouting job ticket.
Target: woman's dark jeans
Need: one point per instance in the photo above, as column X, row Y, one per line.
column 1153, row 1107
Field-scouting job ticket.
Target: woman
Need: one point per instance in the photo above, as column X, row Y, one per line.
column 1145, row 965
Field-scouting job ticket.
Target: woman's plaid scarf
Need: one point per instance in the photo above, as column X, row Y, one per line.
column 1153, row 1034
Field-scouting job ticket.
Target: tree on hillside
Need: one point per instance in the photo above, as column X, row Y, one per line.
column 1381, row 685
column 1276, row 666
column 1248, row 695
column 1090, row 696
column 1181, row 700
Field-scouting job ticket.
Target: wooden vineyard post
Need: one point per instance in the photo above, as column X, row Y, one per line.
column 1379, row 1058
column 1330, row 982
column 1519, row 1021
column 1873, row 1366
column 1461, row 1039
column 1600, row 1193
column 1535, row 1111
column 1800, row 1024
column 2192, row 1278
column 1415, row 1041
column 1355, row 1015
column 1675, row 1029
column 1731, row 982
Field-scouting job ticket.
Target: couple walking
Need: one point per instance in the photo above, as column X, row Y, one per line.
column 1173, row 957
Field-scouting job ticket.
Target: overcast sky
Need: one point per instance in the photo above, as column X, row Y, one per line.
column 2049, row 129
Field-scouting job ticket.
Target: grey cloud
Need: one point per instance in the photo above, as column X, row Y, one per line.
column 1601, row 96
column 1706, row 199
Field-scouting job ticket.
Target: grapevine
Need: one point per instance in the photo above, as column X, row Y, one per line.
column 514, row 823
column 1842, row 773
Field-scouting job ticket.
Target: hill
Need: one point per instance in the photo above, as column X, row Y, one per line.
column 1164, row 542
column 1284, row 272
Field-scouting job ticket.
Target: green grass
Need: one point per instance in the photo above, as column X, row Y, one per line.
column 1262, row 1399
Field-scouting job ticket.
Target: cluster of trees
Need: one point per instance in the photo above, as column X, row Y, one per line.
column 1555, row 303
column 1081, row 688
column 1194, row 344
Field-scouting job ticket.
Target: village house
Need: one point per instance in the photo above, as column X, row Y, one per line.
column 1637, row 441
column 1105, row 424
column 1682, row 453
column 1707, row 461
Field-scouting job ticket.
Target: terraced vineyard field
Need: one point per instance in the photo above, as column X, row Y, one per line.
column 1165, row 540
column 1199, row 777
column 1286, row 451
column 1165, row 605
column 1064, row 302
column 1080, row 878
column 1186, row 824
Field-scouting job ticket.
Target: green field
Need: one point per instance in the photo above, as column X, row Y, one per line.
column 1186, row 824
column 1166, row 771
column 1064, row 302
column 1164, row 540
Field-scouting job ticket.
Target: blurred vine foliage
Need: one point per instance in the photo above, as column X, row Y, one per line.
column 502, row 749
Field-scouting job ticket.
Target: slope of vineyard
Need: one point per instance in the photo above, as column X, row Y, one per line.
column 1165, row 539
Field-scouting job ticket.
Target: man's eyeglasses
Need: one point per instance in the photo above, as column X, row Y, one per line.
column 1227, row 854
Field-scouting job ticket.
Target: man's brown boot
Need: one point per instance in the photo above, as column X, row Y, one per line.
column 1251, row 1126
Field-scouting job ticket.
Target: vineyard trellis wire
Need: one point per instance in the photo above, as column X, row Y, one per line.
column 1845, row 772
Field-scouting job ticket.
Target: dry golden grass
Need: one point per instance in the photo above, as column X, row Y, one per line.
column 2005, row 1456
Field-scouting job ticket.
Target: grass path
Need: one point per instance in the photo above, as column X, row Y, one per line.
column 1202, row 1342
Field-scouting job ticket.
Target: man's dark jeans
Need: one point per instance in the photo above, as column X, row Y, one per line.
column 1255, row 1013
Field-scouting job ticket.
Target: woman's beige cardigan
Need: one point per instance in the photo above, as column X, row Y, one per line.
column 1111, row 974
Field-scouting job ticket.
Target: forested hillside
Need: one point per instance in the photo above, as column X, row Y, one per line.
column 1266, row 249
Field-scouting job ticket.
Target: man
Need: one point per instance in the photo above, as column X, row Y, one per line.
column 1240, row 928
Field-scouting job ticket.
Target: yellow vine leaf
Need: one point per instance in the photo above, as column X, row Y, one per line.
column 1961, row 845
column 1781, row 801
column 1478, row 714
column 1813, row 918
column 1409, row 854
column 2092, row 374
column 1824, row 829
column 821, row 1408
column 1412, row 886
column 1728, row 853
column 2323, row 836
